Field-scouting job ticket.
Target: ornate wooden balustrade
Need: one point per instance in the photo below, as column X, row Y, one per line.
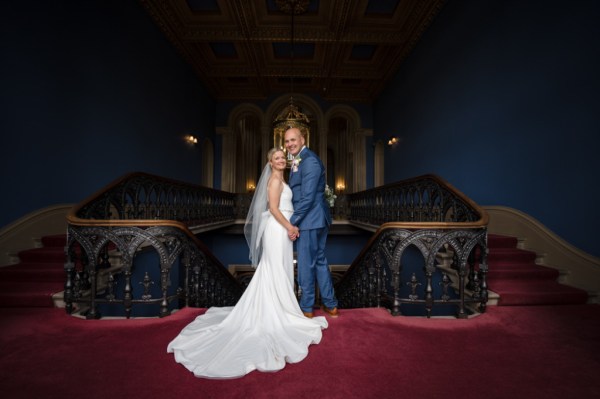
column 429, row 217
column 133, row 244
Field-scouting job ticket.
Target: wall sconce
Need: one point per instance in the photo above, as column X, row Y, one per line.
column 340, row 187
column 393, row 140
column 191, row 139
column 251, row 188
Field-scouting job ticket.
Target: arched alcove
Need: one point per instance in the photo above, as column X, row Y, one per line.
column 243, row 148
column 208, row 161
column 339, row 149
column 249, row 134
column 378, row 167
column 346, row 142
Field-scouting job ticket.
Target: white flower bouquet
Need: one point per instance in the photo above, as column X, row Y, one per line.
column 330, row 196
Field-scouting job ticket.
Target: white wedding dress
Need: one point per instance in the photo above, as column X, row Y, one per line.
column 265, row 329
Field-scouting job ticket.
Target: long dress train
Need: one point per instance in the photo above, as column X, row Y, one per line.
column 265, row 329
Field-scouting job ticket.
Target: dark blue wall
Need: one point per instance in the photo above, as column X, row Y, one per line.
column 501, row 99
column 91, row 90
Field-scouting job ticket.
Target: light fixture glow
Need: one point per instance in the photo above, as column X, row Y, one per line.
column 191, row 139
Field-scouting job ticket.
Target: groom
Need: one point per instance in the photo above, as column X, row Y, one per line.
column 312, row 217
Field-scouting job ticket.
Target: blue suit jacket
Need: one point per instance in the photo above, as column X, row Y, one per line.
column 311, row 210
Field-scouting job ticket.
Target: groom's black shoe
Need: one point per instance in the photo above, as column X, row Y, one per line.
column 331, row 312
column 308, row 314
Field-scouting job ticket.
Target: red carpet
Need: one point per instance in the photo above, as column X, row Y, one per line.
column 514, row 275
column 508, row 352
column 39, row 275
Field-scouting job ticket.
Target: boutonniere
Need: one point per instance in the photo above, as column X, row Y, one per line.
column 295, row 163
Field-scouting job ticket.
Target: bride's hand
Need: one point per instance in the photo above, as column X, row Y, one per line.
column 293, row 233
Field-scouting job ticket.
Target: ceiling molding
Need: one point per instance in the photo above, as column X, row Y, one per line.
column 250, row 69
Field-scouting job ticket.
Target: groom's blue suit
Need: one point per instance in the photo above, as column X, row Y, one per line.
column 312, row 216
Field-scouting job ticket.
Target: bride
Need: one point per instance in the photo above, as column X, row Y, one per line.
column 266, row 328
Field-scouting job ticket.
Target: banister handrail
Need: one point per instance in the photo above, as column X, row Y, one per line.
column 120, row 186
column 476, row 218
column 74, row 219
column 142, row 194
column 444, row 225
column 142, row 210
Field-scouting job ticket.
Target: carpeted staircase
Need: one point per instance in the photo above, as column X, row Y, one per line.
column 39, row 274
column 514, row 275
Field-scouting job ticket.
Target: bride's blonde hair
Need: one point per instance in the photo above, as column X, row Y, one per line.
column 272, row 152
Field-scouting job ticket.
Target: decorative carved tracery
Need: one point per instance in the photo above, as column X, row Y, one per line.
column 426, row 214
column 145, row 214
column 109, row 232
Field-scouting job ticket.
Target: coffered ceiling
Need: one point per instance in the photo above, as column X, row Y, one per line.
column 343, row 50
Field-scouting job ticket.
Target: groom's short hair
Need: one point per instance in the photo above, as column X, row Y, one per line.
column 298, row 129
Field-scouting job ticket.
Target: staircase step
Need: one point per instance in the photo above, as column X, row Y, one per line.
column 33, row 272
column 510, row 254
column 500, row 241
column 514, row 275
column 22, row 294
column 33, row 266
column 59, row 240
column 526, row 293
column 39, row 275
column 521, row 272
column 43, row 255
column 509, row 265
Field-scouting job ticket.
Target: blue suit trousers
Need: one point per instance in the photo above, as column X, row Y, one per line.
column 312, row 266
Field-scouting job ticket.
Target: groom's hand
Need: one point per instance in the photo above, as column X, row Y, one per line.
column 293, row 233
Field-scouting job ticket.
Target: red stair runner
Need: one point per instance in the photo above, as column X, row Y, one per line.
column 514, row 275
column 39, row 275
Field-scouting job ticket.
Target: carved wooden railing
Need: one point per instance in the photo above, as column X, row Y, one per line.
column 133, row 244
column 447, row 230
